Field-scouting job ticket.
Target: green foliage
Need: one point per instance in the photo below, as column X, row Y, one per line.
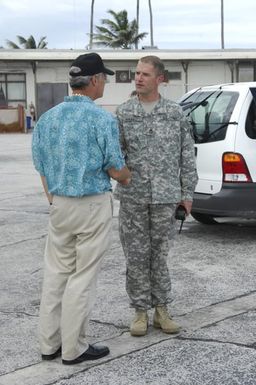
column 119, row 32
column 28, row 43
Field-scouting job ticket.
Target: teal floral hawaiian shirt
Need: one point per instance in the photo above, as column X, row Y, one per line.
column 73, row 146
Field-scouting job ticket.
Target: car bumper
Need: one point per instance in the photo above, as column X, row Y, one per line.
column 234, row 200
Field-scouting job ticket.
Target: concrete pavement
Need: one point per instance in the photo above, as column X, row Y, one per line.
column 213, row 271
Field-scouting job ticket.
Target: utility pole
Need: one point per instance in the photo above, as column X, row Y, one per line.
column 91, row 24
column 222, row 25
column 151, row 24
column 137, row 20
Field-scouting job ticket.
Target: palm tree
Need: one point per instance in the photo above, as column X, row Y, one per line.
column 137, row 19
column 151, row 23
column 92, row 17
column 118, row 33
column 91, row 24
column 28, row 43
column 222, row 24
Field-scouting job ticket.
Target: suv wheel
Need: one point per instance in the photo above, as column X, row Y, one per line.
column 204, row 218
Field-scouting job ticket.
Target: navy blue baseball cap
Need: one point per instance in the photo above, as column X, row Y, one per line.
column 87, row 65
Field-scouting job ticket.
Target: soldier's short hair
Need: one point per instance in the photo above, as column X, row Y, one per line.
column 155, row 61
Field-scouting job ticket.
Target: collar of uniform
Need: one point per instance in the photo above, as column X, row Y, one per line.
column 158, row 109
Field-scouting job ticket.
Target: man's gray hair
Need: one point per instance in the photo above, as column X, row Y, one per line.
column 77, row 81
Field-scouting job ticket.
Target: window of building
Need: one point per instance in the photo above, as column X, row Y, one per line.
column 171, row 75
column 12, row 89
column 246, row 72
column 174, row 75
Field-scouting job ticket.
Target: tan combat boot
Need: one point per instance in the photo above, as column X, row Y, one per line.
column 140, row 323
column 163, row 321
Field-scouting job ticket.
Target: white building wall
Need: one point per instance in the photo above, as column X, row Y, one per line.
column 207, row 73
column 116, row 93
column 48, row 72
column 199, row 73
column 197, row 68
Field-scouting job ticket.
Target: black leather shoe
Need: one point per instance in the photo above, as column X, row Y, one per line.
column 49, row 357
column 92, row 353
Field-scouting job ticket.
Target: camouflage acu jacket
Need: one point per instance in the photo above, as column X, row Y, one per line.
column 159, row 150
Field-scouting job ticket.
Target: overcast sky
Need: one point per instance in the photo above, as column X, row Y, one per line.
column 178, row 24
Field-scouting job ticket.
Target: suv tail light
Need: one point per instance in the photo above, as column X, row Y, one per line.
column 234, row 168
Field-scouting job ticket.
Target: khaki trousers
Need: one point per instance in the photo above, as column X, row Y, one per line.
column 78, row 238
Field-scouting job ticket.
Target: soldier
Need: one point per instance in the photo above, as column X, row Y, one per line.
column 158, row 148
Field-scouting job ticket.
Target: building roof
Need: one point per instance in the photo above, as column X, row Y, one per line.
column 126, row 55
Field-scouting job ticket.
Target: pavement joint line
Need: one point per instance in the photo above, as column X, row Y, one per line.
column 226, row 318
column 184, row 316
column 220, row 302
column 108, row 324
column 200, row 318
column 20, row 195
column 106, row 362
column 209, row 340
column 18, row 313
column 237, row 297
column 8, row 198
column 24, row 211
column 93, row 364
column 145, row 345
column 22, row 241
column 208, row 317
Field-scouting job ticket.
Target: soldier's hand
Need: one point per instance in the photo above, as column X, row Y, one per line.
column 187, row 205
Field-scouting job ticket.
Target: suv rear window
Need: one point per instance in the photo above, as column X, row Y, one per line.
column 209, row 113
column 250, row 125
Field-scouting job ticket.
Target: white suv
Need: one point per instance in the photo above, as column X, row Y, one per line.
column 224, row 126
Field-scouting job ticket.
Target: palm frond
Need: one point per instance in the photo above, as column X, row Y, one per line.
column 21, row 40
column 11, row 44
column 29, row 43
column 119, row 32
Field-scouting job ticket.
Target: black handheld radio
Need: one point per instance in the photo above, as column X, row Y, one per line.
column 180, row 215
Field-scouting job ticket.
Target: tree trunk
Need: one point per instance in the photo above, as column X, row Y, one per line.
column 137, row 19
column 151, row 24
column 91, row 24
column 222, row 25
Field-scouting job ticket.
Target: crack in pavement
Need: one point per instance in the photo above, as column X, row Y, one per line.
column 201, row 339
column 196, row 320
column 17, row 313
column 23, row 241
column 25, row 211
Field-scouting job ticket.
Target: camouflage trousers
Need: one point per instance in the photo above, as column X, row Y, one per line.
column 146, row 231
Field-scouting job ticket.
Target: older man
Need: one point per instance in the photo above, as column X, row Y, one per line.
column 76, row 151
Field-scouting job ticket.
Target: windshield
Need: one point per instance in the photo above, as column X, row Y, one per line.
column 209, row 113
